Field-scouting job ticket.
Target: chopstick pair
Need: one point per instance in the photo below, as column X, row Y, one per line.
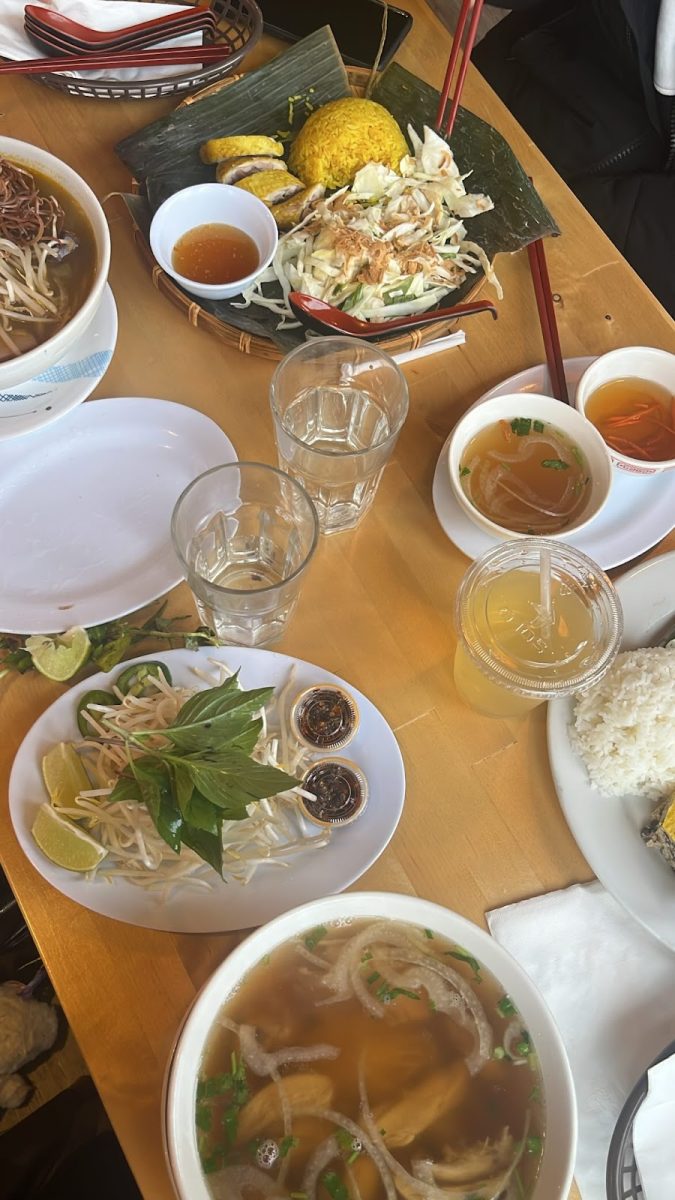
column 549, row 326
column 443, row 127
column 130, row 58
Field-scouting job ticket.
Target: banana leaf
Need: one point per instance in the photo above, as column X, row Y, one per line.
column 275, row 100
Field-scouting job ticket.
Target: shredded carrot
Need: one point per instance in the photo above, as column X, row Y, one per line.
column 506, row 430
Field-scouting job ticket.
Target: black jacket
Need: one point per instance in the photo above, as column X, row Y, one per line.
column 578, row 75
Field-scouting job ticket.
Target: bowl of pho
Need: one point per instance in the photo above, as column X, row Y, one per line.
column 528, row 466
column 54, row 259
column 629, row 395
column 369, row 1046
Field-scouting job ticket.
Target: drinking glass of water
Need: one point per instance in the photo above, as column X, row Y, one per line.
column 245, row 534
column 338, row 406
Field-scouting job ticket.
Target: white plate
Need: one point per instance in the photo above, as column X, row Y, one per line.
column 69, row 381
column 607, row 828
column 85, row 510
column 272, row 890
column 640, row 510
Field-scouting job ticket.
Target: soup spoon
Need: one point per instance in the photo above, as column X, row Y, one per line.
column 316, row 314
column 81, row 37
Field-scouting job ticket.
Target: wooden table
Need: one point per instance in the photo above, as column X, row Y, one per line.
column 482, row 825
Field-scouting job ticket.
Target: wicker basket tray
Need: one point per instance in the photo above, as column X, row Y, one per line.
column 250, row 343
column 239, row 28
column 623, row 1178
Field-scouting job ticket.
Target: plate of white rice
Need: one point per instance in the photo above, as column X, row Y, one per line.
column 612, row 752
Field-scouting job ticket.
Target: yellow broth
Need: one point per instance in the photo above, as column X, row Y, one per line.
column 70, row 278
column 525, row 475
column 414, row 1062
column 635, row 417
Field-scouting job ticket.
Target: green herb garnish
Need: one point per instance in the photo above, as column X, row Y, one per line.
column 533, row 1145
column 334, row 1186
column 555, row 464
column 464, row 956
column 538, row 426
column 287, row 1144
column 428, row 934
column 521, row 426
column 499, row 1052
column 535, row 1095
column 464, row 471
column 386, row 993
column 578, row 456
column 506, row 1006
column 314, row 936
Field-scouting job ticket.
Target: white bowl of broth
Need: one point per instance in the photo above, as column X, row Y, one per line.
column 54, row 260
column 629, row 395
column 526, row 465
column 213, row 239
column 402, row 1042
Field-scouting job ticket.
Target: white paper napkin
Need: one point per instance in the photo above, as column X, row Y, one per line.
column 654, row 1134
column 610, row 987
column 106, row 15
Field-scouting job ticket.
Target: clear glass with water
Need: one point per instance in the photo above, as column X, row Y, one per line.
column 338, row 406
column 245, row 534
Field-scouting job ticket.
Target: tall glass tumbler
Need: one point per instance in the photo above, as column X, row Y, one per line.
column 245, row 534
column 338, row 406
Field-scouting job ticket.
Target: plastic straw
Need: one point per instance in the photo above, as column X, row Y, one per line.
column 545, row 597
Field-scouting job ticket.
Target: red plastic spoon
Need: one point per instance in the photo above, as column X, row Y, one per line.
column 322, row 317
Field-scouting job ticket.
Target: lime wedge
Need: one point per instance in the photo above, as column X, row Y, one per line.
column 59, row 657
column 64, row 775
column 65, row 844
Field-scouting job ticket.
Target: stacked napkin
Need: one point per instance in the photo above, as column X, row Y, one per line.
column 611, row 989
column 104, row 15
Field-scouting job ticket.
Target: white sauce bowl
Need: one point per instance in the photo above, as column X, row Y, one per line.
column 23, row 368
column 552, row 412
column 630, row 362
column 555, row 1176
column 213, row 203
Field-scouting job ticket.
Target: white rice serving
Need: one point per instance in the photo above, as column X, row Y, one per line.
column 624, row 726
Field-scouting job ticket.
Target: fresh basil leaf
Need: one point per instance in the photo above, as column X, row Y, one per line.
column 235, row 772
column 126, row 789
column 108, row 654
column 183, row 787
column 213, row 734
column 154, row 782
column 206, row 704
column 208, row 846
column 202, row 814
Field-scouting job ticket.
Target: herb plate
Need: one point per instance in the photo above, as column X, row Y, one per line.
column 273, row 889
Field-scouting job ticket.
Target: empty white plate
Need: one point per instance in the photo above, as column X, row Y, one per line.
column 85, row 508
column 640, row 510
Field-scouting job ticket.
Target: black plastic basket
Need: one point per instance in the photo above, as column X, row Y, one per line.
column 623, row 1177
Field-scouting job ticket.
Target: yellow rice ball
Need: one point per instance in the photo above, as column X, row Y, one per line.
column 341, row 137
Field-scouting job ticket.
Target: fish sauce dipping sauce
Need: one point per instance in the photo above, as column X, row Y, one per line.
column 526, row 465
column 370, row 1056
column 54, row 257
column 629, row 395
column 213, row 239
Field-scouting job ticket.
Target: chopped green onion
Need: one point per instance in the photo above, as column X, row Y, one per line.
column 555, row 464
column 334, row 1186
column 428, row 934
column 506, row 1006
column 464, row 956
column 521, row 426
column 464, row 471
column 499, row 1052
column 286, row 1145
column 314, row 936
column 533, row 1145
column 538, row 426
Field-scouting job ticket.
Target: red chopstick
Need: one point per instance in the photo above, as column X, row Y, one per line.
column 108, row 61
column 446, row 129
column 549, row 326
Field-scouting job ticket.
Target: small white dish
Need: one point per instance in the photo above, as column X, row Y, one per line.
column 551, row 412
column 18, row 370
column 629, row 362
column 640, row 510
column 272, row 890
column 555, row 1176
column 85, row 510
column 607, row 828
column 212, row 203
column 68, row 382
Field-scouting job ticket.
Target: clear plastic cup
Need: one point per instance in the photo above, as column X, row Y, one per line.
column 338, row 405
column 525, row 635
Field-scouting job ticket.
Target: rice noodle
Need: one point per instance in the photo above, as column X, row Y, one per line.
column 263, row 1063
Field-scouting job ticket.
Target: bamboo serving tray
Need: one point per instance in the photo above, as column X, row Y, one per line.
column 237, row 339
